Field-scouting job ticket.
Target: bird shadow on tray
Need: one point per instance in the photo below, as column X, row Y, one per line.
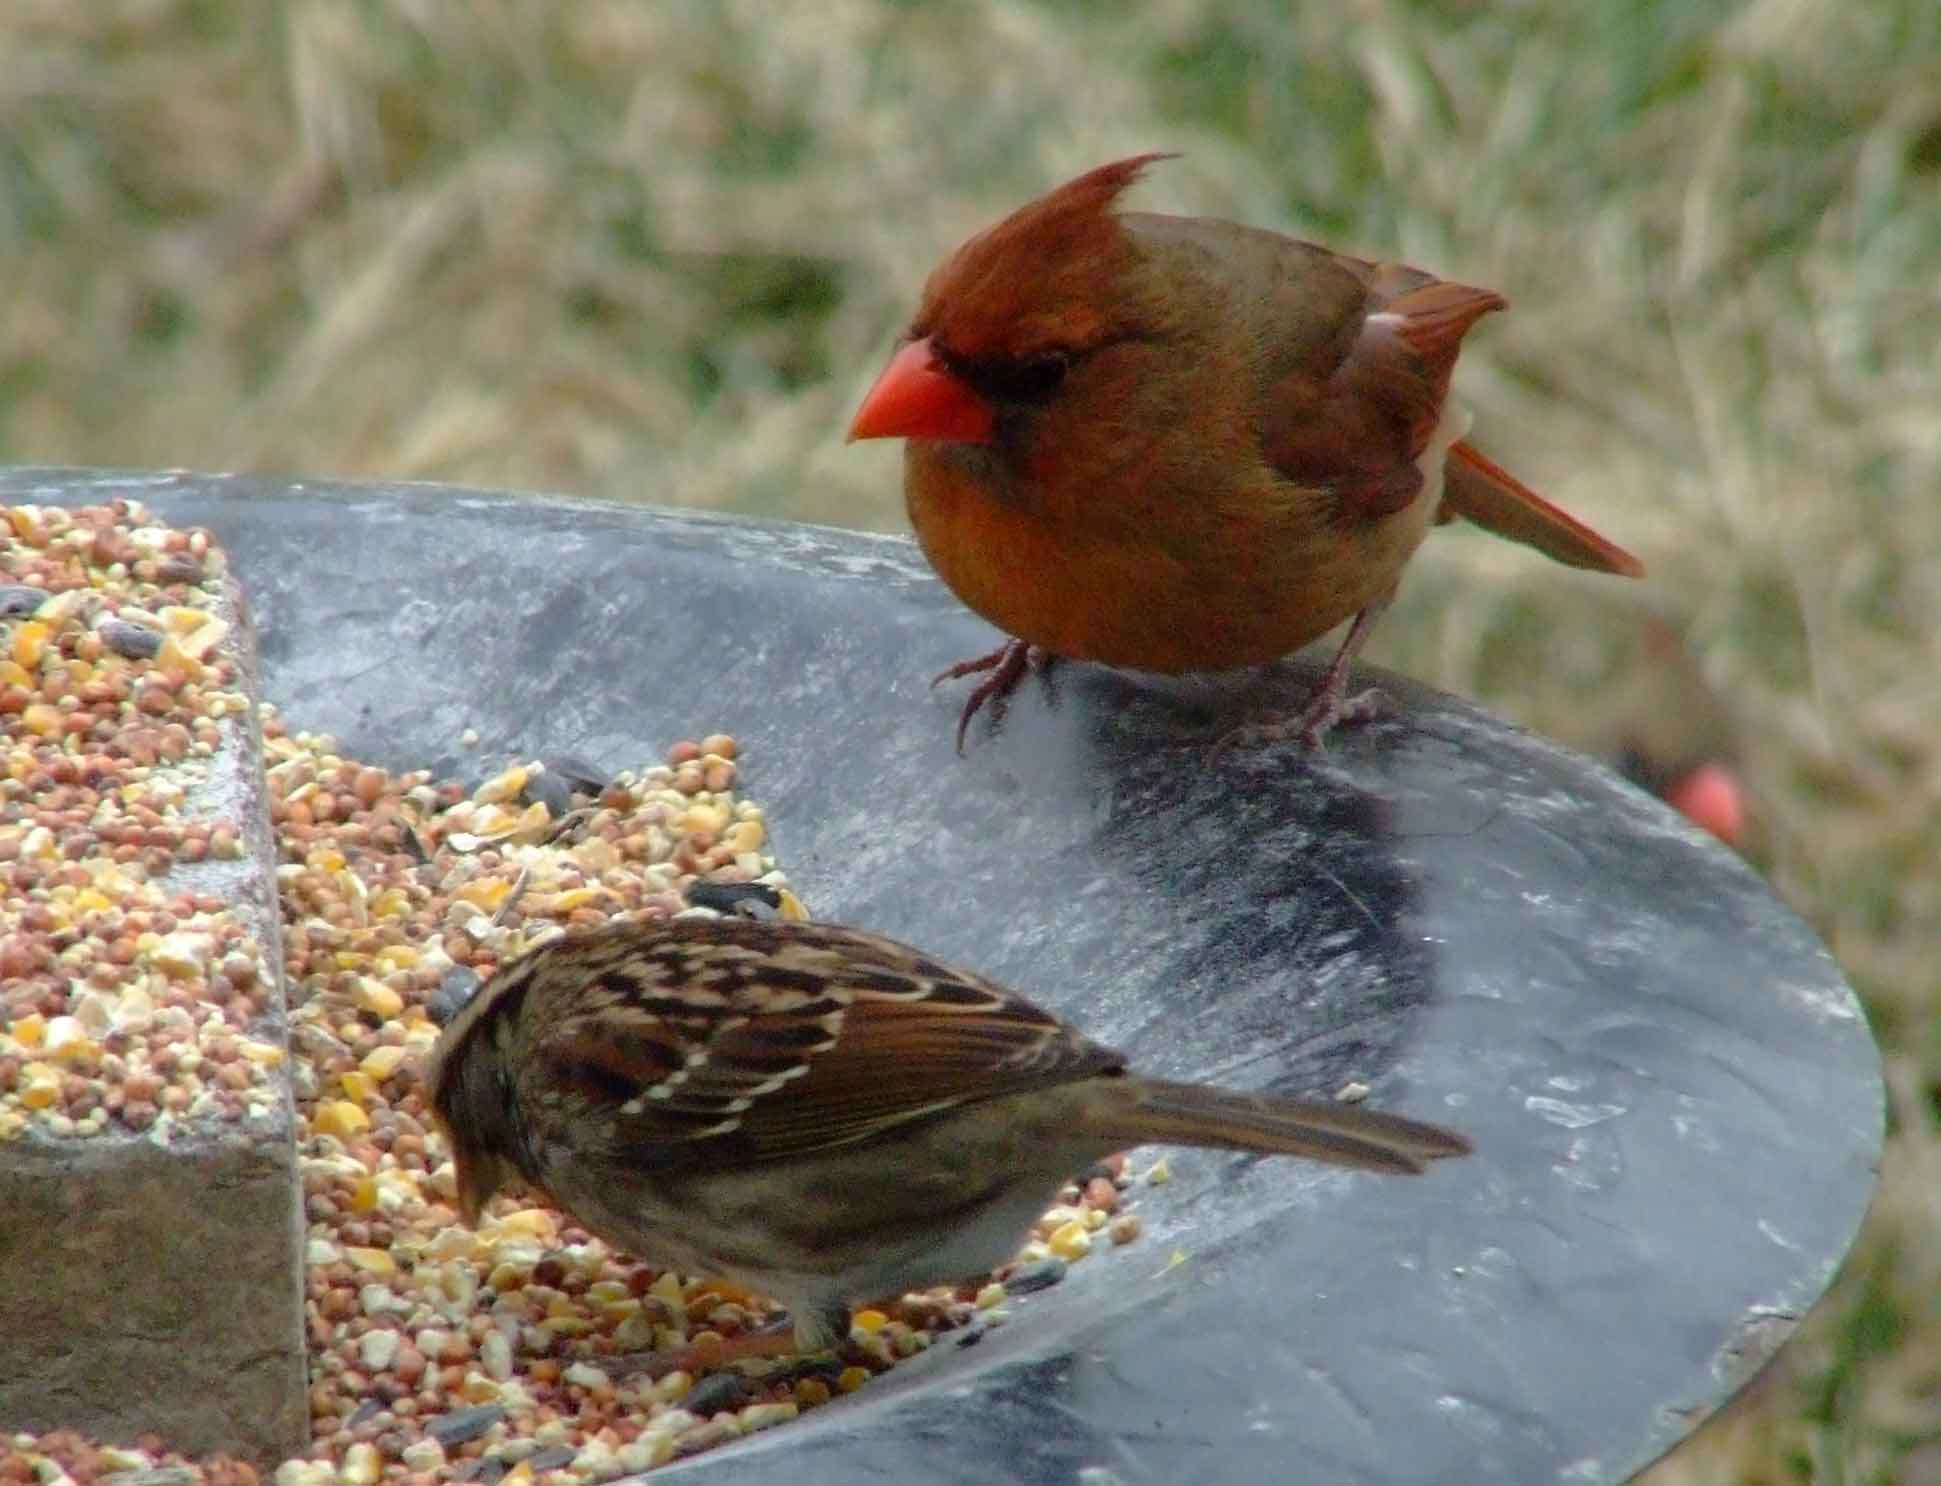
column 1278, row 929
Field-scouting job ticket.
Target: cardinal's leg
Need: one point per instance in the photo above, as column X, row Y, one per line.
column 1330, row 705
column 1008, row 665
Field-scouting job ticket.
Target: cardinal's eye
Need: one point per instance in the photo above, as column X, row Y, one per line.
column 1030, row 381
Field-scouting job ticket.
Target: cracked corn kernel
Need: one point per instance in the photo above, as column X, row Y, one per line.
column 1055, row 1217
column 869, row 1322
column 341, row 1118
column 377, row 998
column 851, row 1378
column 68, row 1040
column 382, row 1061
column 1070, row 1241
column 811, row 1391
column 29, row 640
column 486, row 894
column 29, row 524
column 198, row 642
column 652, row 1449
column 175, row 662
column 503, row 788
column 668, row 1288
column 39, row 1086
column 991, row 1295
column 710, row 818
column 533, row 1222
column 506, row 1278
column 361, row 1465
column 182, row 955
column 393, row 902
column 180, row 618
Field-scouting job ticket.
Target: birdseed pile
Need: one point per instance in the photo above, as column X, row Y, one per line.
column 128, row 1001
column 436, row 1352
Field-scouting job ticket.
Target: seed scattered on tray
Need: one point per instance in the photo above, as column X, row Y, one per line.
column 132, row 997
column 529, row 1315
column 437, row 1352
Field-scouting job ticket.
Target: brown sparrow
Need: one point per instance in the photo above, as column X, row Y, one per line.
column 817, row 1114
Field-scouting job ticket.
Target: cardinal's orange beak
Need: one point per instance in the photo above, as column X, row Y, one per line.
column 917, row 398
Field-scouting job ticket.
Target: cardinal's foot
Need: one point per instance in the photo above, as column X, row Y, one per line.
column 1008, row 665
column 1309, row 727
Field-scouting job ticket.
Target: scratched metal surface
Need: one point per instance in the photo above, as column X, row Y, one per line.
column 1675, row 1100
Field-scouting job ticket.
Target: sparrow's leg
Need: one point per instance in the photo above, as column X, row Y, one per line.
column 821, row 1330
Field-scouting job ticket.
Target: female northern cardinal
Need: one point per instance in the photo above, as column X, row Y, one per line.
column 1176, row 444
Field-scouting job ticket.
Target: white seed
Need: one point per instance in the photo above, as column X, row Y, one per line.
column 379, row 1348
column 495, row 1356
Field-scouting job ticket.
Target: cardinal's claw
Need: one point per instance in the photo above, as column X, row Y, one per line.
column 1008, row 665
column 1309, row 727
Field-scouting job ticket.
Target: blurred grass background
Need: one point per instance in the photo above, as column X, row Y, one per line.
column 656, row 251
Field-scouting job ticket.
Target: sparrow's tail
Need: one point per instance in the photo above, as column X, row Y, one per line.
column 1147, row 1109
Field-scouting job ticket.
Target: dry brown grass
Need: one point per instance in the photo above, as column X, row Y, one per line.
column 654, row 251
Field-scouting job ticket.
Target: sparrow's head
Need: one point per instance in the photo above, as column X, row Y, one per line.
column 471, row 1083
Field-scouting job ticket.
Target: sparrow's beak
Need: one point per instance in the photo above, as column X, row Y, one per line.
column 917, row 398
